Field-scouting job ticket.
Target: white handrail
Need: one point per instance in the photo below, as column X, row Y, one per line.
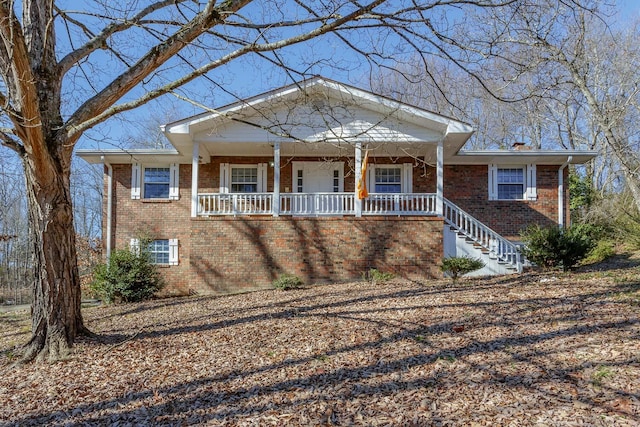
column 235, row 204
column 471, row 228
column 327, row 203
column 317, row 204
column 399, row 204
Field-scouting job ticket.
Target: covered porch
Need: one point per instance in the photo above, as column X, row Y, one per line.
column 316, row 122
column 325, row 182
column 316, row 204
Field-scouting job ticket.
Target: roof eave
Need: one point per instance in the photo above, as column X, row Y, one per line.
column 523, row 156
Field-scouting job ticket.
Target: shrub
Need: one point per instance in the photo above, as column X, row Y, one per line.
column 287, row 281
column 376, row 276
column 555, row 247
column 128, row 277
column 603, row 249
column 459, row 266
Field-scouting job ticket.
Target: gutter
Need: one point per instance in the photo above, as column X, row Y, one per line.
column 109, row 205
column 561, row 192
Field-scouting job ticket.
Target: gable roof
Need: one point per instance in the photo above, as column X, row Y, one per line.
column 321, row 117
column 320, row 111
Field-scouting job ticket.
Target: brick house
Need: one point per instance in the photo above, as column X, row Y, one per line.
column 269, row 185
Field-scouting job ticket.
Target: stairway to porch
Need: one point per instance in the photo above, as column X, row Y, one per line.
column 464, row 235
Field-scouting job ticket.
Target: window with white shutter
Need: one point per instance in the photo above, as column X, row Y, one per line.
column 512, row 182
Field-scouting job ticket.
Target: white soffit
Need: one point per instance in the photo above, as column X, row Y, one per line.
column 505, row 157
column 121, row 156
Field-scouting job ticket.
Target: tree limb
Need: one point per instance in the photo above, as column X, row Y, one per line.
column 90, row 114
column 100, row 41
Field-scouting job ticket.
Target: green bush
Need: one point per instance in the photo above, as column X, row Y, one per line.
column 459, row 266
column 128, row 277
column 604, row 249
column 287, row 281
column 628, row 227
column 376, row 276
column 555, row 247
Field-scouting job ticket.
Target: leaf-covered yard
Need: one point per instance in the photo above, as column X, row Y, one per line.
column 533, row 349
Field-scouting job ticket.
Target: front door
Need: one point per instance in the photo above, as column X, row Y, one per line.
column 316, row 180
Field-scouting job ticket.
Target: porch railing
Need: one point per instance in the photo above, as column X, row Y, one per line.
column 470, row 228
column 235, row 204
column 317, row 204
column 399, row 204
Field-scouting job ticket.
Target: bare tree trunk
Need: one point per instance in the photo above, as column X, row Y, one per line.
column 56, row 315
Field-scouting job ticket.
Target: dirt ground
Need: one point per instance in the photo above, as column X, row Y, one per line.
column 532, row 349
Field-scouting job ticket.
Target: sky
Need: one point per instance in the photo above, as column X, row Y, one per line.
column 247, row 78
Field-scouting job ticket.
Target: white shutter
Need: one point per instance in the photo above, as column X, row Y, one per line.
column 532, row 192
column 224, row 178
column 134, row 246
column 371, row 178
column 174, row 178
column 493, row 182
column 262, row 177
column 136, row 174
column 173, row 251
column 407, row 178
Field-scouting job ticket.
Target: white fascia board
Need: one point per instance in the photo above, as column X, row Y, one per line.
column 118, row 156
column 540, row 157
column 404, row 111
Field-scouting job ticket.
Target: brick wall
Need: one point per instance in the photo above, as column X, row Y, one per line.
column 168, row 219
column 221, row 254
column 247, row 252
column 467, row 187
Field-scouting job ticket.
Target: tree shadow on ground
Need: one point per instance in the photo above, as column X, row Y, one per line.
column 617, row 262
column 236, row 392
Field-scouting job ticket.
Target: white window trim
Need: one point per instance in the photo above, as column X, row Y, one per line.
column 225, row 176
column 406, row 176
column 134, row 246
column 530, row 191
column 137, row 180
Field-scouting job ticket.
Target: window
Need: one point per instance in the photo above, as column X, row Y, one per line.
column 336, row 181
column 244, row 180
column 388, row 180
column 299, row 181
column 156, row 183
column 511, row 184
column 159, row 251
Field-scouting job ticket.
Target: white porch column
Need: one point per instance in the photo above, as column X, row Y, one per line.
column 357, row 202
column 195, row 162
column 440, row 178
column 275, row 206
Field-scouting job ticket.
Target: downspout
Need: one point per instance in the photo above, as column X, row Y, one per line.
column 109, row 205
column 561, row 192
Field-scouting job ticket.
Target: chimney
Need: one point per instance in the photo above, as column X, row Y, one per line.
column 520, row 146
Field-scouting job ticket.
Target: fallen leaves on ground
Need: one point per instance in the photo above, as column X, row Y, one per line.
column 518, row 350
